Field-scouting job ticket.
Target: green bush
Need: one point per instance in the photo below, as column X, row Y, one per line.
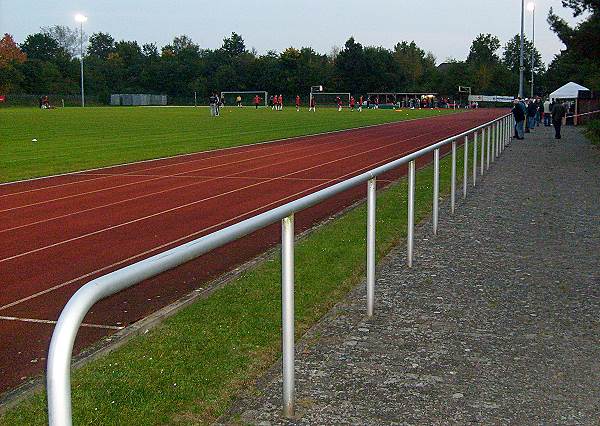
column 593, row 132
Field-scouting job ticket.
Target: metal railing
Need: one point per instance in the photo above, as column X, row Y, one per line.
column 61, row 346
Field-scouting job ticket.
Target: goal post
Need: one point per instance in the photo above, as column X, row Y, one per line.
column 329, row 98
column 247, row 97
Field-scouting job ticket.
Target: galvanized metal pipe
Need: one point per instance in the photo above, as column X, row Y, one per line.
column 411, row 213
column 482, row 151
column 436, row 188
column 287, row 313
column 371, row 216
column 453, row 178
column 474, row 158
column 465, row 167
column 488, row 146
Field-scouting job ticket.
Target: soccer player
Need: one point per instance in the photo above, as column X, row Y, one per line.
column 352, row 103
column 360, row 103
column 238, row 101
column 297, row 103
column 257, row 100
column 338, row 100
column 280, row 102
column 313, row 105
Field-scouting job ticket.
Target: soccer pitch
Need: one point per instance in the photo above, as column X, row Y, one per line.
column 73, row 139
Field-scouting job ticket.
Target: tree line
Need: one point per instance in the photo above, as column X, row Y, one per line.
column 47, row 62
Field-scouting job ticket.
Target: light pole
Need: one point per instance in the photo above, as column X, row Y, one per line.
column 521, row 68
column 531, row 8
column 81, row 19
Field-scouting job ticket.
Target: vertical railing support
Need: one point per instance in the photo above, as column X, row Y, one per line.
column 371, row 216
column 482, row 151
column 465, row 167
column 287, row 313
column 453, row 179
column 493, row 144
column 436, row 188
column 474, row 158
column 411, row 213
column 488, row 146
column 498, row 136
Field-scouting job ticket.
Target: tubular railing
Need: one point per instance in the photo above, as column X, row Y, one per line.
column 61, row 346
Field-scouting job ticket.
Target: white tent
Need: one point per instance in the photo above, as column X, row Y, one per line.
column 568, row 91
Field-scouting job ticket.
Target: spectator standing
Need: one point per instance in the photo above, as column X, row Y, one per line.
column 531, row 111
column 519, row 116
column 547, row 113
column 558, row 113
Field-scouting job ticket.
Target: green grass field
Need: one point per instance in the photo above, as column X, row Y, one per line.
column 72, row 139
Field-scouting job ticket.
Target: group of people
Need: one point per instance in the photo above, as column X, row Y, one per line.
column 528, row 114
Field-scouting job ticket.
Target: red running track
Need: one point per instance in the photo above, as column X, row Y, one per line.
column 58, row 233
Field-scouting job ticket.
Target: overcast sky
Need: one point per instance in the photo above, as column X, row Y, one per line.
column 444, row 27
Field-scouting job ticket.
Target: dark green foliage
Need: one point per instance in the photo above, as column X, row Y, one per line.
column 593, row 132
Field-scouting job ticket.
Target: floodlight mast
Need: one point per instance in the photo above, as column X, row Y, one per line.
column 81, row 19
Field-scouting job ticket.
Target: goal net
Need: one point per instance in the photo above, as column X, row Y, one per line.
column 247, row 97
column 329, row 99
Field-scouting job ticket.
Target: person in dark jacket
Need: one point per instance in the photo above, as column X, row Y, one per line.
column 531, row 112
column 558, row 112
column 519, row 116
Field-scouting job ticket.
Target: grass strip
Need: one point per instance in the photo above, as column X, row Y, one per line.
column 189, row 369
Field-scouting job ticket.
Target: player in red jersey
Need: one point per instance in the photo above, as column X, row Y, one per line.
column 297, row 103
column 280, row 102
column 257, row 100
column 360, row 103
column 352, row 103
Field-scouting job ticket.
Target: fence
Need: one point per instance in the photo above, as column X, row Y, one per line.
column 61, row 346
column 57, row 100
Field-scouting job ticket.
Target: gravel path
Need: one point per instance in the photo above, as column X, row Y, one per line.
column 498, row 321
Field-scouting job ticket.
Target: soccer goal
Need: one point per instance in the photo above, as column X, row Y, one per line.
column 247, row 97
column 329, row 99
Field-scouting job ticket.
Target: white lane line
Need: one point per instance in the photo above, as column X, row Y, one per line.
column 194, row 234
column 42, row 321
column 163, row 177
column 99, row 231
column 210, row 179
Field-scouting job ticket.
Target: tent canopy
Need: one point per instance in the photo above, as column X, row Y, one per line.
column 568, row 91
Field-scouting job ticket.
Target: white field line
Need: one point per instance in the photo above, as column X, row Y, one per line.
column 42, row 321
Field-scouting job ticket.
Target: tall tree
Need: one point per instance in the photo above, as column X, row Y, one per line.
column 483, row 50
column 67, row 38
column 10, row 57
column 234, row 45
column 101, row 45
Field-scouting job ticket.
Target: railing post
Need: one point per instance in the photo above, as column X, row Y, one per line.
column 498, row 138
column 488, row 146
column 474, row 158
column 411, row 212
column 453, row 178
column 494, row 140
column 481, row 166
column 436, row 188
column 287, row 312
column 371, row 216
column 465, row 167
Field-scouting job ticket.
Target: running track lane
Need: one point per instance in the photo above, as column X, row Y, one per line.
column 60, row 232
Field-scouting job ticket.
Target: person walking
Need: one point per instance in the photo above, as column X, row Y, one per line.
column 519, row 116
column 558, row 113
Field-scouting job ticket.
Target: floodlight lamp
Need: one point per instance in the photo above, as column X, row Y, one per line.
column 531, row 6
column 80, row 18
